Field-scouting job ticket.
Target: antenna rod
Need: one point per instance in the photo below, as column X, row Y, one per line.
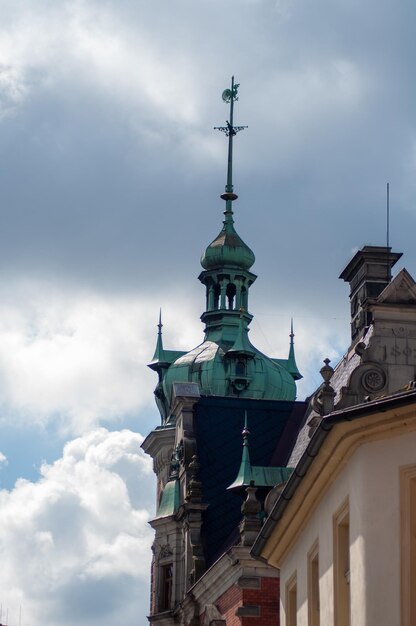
column 388, row 232
column 388, row 215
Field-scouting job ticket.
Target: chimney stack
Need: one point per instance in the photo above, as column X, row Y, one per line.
column 368, row 273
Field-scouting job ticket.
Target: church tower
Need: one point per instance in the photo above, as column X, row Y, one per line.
column 205, row 397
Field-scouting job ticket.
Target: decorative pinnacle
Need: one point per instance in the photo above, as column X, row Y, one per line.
column 230, row 96
column 326, row 372
column 159, row 355
column 293, row 368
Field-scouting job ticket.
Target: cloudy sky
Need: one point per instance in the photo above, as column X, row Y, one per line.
column 110, row 175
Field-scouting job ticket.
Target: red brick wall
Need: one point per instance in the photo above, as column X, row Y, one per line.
column 266, row 597
column 228, row 603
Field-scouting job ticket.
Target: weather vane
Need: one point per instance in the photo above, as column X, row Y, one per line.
column 230, row 96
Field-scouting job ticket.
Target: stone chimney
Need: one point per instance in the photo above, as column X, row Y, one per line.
column 368, row 273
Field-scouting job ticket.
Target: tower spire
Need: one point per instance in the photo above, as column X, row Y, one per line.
column 230, row 96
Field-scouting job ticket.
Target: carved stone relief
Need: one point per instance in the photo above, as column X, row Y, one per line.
column 165, row 551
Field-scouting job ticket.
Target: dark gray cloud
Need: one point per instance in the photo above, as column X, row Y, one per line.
column 110, row 169
column 110, row 175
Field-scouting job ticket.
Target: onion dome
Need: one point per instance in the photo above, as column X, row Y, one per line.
column 227, row 249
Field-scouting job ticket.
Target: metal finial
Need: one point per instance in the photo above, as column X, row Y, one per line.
column 230, row 96
column 160, row 325
column 245, row 431
column 291, row 334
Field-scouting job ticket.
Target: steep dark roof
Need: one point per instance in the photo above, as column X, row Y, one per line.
column 219, row 423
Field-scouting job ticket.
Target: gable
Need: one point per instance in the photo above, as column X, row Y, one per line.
column 401, row 290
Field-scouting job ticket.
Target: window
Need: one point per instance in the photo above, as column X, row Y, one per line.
column 291, row 601
column 216, row 297
column 342, row 566
column 408, row 544
column 313, row 586
column 231, row 290
column 166, row 579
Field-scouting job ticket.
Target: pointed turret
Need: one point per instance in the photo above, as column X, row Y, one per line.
column 162, row 360
column 250, row 475
column 291, row 361
column 159, row 358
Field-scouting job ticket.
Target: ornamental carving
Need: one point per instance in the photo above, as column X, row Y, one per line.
column 373, row 380
column 165, row 551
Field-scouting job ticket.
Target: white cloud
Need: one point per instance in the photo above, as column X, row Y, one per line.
column 77, row 542
column 78, row 358
column 3, row 459
column 316, row 338
column 90, row 44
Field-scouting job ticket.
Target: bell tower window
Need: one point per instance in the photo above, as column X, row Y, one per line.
column 244, row 299
column 230, row 296
column 217, row 292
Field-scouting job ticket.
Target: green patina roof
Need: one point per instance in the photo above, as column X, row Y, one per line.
column 170, row 500
column 228, row 248
column 207, row 365
column 262, row 477
column 242, row 345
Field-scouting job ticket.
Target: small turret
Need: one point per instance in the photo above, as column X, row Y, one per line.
column 249, row 475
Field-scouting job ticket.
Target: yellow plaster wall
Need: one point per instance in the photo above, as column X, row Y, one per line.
column 371, row 482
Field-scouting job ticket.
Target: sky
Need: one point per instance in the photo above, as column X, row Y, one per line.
column 110, row 177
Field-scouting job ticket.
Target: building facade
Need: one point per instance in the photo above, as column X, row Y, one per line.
column 342, row 532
